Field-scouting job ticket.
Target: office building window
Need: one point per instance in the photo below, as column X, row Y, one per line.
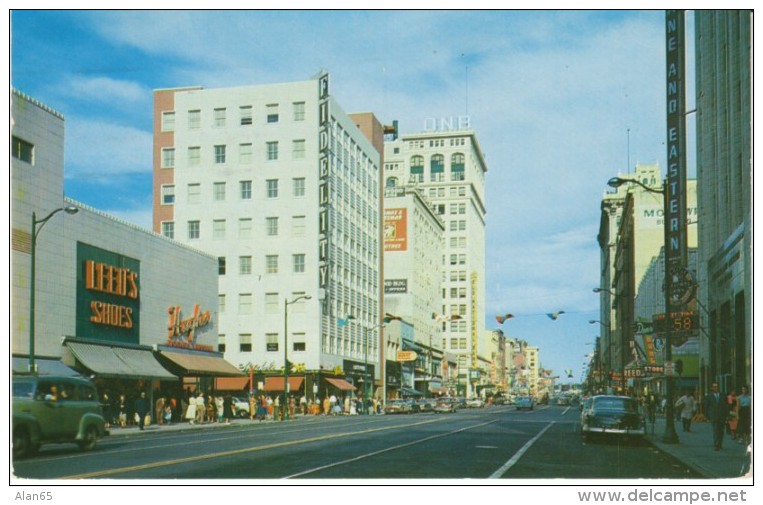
column 194, row 193
column 246, row 190
column 271, row 186
column 271, row 342
column 22, row 150
column 245, row 113
column 272, row 150
column 168, row 121
column 245, row 265
column 221, row 343
column 457, row 167
column 218, row 229
column 168, row 229
column 299, row 187
column 219, row 154
column 219, row 118
column 168, row 194
column 298, row 149
column 271, row 303
column 244, row 228
column 221, row 304
column 299, row 263
column 272, row 113
column 299, row 111
column 298, row 226
column 245, row 342
column 218, row 191
column 221, row 265
column 194, row 119
column 168, row 157
column 194, row 230
column 271, row 264
column 271, row 226
column 194, row 156
column 244, row 303
column 245, row 153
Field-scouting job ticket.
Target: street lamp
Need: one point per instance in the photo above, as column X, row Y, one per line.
column 286, row 352
column 670, row 436
column 69, row 209
column 605, row 290
column 365, row 358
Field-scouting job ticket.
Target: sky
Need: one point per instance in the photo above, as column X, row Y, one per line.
column 560, row 101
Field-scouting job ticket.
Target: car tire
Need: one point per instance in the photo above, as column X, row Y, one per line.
column 22, row 443
column 91, row 439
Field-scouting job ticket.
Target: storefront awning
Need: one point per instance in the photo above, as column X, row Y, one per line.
column 201, row 365
column 119, row 362
column 276, row 383
column 231, row 383
column 45, row 366
column 341, row 384
column 411, row 392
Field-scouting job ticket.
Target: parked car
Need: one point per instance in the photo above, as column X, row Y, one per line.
column 446, row 405
column 425, row 405
column 525, row 403
column 612, row 415
column 398, row 407
column 475, row 403
column 460, row 402
column 499, row 400
column 240, row 407
column 52, row 409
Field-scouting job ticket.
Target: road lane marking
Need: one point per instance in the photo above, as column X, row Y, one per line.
column 505, row 468
column 388, row 449
column 202, row 457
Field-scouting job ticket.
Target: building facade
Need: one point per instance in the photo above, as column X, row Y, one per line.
column 280, row 185
column 449, row 169
column 724, row 174
column 112, row 300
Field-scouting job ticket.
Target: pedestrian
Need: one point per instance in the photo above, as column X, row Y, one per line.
column 107, row 412
column 292, row 406
column 159, row 409
column 269, row 405
column 745, row 416
column 733, row 416
column 190, row 412
column 220, row 408
column 122, row 410
column 201, row 408
column 168, row 414
column 211, row 409
column 141, row 409
column 716, row 410
column 303, row 405
column 686, row 407
column 326, row 406
column 252, row 406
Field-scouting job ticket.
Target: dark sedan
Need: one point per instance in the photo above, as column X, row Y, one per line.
column 612, row 415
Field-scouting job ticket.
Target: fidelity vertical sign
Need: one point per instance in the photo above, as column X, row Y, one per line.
column 675, row 192
column 324, row 124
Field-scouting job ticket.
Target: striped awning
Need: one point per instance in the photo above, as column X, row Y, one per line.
column 276, row 383
column 201, row 365
column 341, row 384
column 119, row 362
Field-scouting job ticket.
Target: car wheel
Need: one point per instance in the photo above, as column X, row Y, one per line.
column 91, row 438
column 22, row 443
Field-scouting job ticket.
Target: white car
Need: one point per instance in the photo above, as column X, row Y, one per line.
column 475, row 403
column 240, row 407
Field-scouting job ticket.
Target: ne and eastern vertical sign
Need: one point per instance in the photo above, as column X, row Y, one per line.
column 678, row 286
column 396, row 229
column 324, row 125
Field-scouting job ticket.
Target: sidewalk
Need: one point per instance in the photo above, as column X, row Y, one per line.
column 695, row 449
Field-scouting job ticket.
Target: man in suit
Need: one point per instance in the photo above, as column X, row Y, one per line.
column 716, row 410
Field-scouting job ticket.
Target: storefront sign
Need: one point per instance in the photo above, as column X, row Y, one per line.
column 108, row 295
column 404, row 356
column 395, row 286
column 181, row 332
column 324, row 144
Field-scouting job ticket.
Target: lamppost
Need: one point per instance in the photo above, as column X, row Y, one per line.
column 670, row 436
column 69, row 209
column 365, row 356
column 609, row 342
column 286, row 352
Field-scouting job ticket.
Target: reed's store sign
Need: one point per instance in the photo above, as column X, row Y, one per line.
column 108, row 295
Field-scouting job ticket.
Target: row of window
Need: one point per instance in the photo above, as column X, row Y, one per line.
column 245, row 229
column 271, row 264
column 220, row 153
column 219, row 191
column 422, row 144
column 271, row 304
column 220, row 115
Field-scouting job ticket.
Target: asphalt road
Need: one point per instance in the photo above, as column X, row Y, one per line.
column 496, row 442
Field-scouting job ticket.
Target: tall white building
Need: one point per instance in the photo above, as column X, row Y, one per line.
column 279, row 184
column 449, row 169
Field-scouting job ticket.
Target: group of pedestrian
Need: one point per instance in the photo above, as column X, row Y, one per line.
column 214, row 408
column 728, row 413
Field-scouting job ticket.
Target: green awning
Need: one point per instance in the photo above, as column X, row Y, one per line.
column 119, row 362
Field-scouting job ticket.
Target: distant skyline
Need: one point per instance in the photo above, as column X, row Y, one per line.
column 560, row 102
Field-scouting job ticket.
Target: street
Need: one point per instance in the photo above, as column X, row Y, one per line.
column 495, row 442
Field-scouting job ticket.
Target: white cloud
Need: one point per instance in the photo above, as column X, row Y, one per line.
column 107, row 90
column 99, row 150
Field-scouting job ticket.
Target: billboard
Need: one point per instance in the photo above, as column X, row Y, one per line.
column 395, row 230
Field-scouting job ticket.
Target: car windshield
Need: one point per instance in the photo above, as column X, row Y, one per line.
column 616, row 404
